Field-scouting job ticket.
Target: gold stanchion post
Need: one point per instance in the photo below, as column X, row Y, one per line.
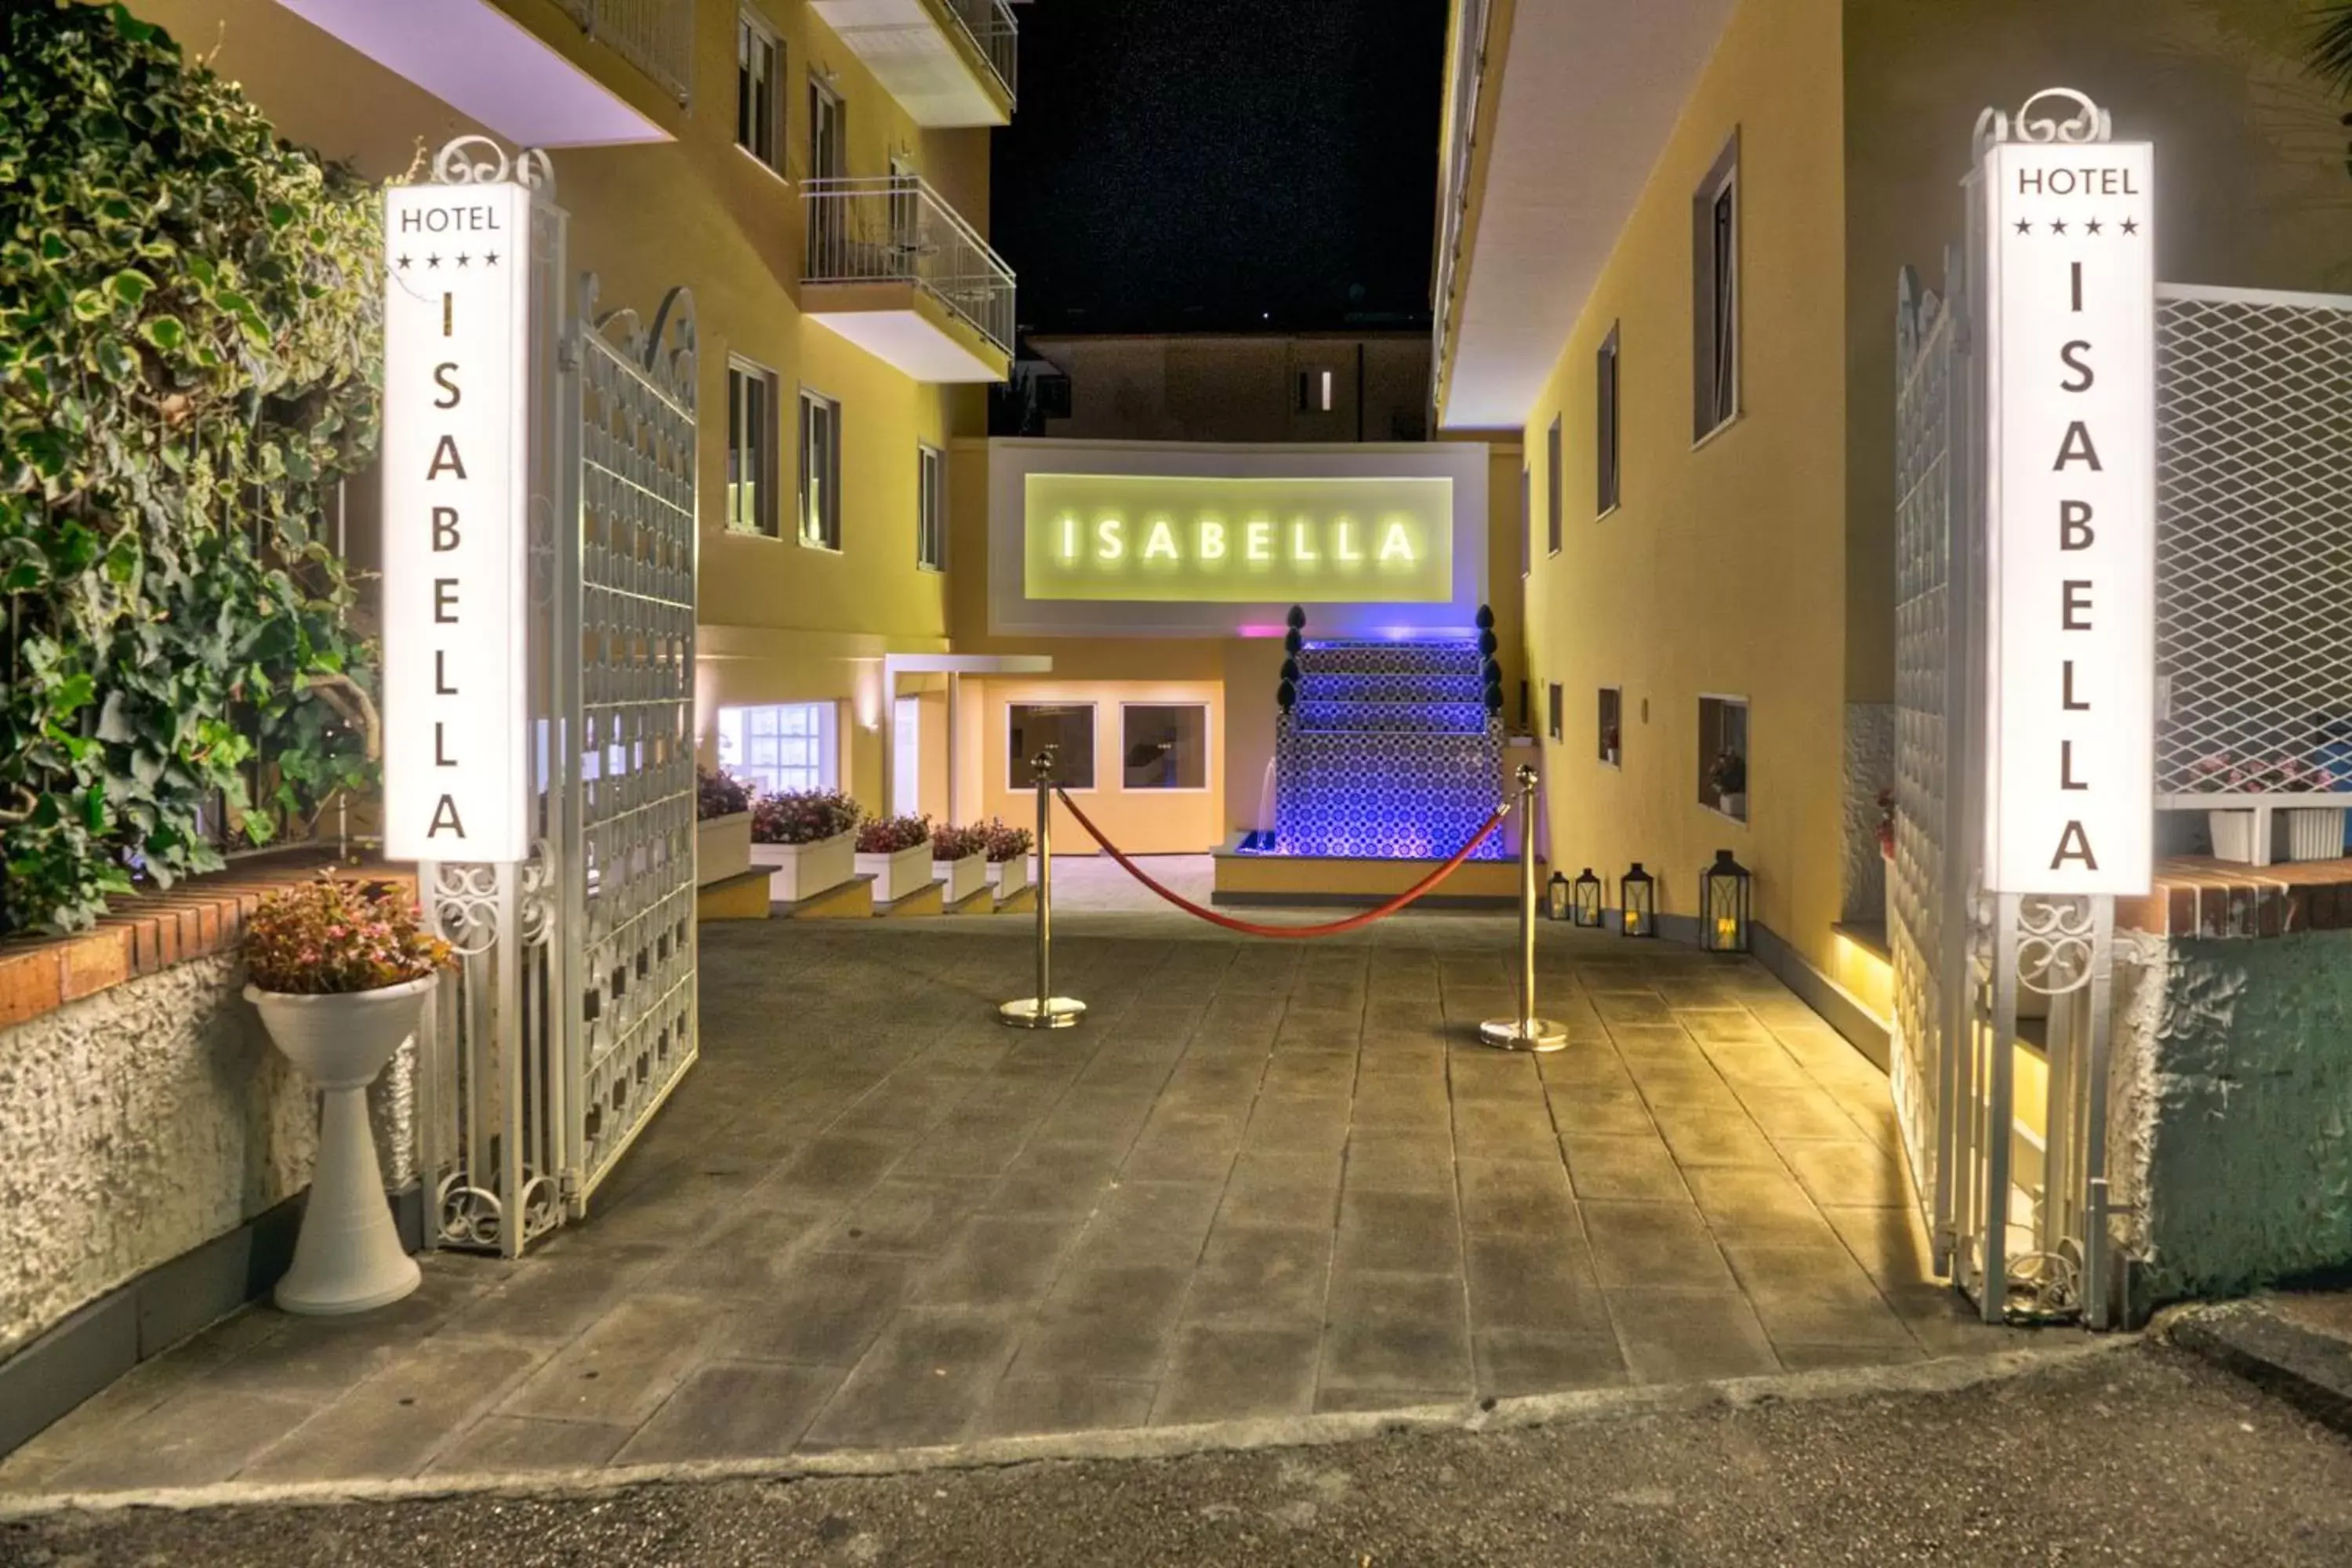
column 1527, row 1032
column 1044, row 1010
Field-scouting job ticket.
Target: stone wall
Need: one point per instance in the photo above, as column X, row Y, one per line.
column 2232, row 1120
column 143, row 1121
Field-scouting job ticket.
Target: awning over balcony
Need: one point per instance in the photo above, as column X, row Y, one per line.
column 1590, row 90
column 949, row 63
column 489, row 67
column 896, row 270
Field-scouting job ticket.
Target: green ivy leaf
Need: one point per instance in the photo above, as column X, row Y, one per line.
column 166, row 332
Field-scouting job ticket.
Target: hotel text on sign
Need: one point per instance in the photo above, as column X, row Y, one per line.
column 456, row 481
column 1238, row 540
column 2071, row 429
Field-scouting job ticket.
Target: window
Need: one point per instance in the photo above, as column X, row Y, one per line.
column 1714, row 295
column 1604, row 425
column 1555, row 702
column 828, row 235
column 1315, row 392
column 931, row 509
column 820, row 471
column 1551, row 489
column 1723, row 755
column 1612, row 708
column 787, row 746
column 1166, row 745
column 1068, row 727
column 759, row 101
column 1526, row 521
column 750, row 448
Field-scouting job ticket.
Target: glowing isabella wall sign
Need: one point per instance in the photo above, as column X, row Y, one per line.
column 2071, row 425
column 455, row 475
column 1358, row 538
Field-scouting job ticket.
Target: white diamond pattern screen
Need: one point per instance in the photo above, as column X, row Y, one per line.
column 2253, row 542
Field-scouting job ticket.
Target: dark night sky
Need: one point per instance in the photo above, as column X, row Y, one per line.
column 1190, row 164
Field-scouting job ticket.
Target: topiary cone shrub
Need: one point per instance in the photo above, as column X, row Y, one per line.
column 190, row 340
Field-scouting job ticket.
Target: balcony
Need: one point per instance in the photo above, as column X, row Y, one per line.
column 949, row 63
column 654, row 35
column 898, row 272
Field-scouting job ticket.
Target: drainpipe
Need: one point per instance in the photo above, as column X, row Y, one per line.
column 1359, row 392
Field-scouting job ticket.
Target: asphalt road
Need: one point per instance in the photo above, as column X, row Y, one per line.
column 2141, row 1456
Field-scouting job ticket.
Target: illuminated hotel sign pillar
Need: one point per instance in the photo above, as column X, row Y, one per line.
column 2062, row 219
column 456, row 472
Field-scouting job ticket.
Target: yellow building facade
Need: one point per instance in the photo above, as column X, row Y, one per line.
column 743, row 151
column 1670, row 240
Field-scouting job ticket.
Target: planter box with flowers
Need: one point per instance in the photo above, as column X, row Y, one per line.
column 896, row 851
column 960, row 860
column 341, row 972
column 722, row 827
column 1008, row 858
column 809, row 838
column 2241, row 833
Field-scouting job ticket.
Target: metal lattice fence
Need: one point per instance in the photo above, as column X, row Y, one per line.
column 2254, row 544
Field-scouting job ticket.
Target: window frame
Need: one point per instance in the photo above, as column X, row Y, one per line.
column 1014, row 761
column 1717, row 220
column 825, row 740
column 930, row 507
column 1608, row 424
column 753, row 28
column 1609, row 711
column 829, row 494
column 1208, row 770
column 1552, row 480
column 1526, row 521
column 1712, row 740
column 1556, row 712
column 742, row 372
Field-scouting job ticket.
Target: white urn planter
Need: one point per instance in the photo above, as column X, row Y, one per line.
column 897, row 874
column 1734, row 803
column 804, row 870
column 2315, row 833
column 722, row 848
column 964, row 877
column 348, row 1257
column 1009, row 876
column 2233, row 836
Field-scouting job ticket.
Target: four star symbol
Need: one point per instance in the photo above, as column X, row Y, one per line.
column 2090, row 226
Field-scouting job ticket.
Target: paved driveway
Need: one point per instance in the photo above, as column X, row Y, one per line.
column 1264, row 1179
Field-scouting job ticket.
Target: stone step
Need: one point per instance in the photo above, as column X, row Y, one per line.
column 850, row 900
column 1324, row 716
column 1391, row 658
column 742, row 896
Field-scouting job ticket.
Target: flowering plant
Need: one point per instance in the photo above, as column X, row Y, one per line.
column 336, row 935
column 1729, row 774
column 2223, row 774
column 716, row 795
column 803, row 817
column 1006, row 842
column 958, row 842
column 1887, row 823
column 891, row 835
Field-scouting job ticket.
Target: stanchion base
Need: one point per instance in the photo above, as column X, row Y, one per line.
column 1053, row 1013
column 1523, row 1033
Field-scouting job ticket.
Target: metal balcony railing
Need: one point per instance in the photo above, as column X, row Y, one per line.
column 654, row 35
column 990, row 25
column 894, row 228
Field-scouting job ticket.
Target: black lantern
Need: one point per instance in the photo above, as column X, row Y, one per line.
column 1587, row 900
column 1637, row 903
column 1723, row 896
column 1556, row 903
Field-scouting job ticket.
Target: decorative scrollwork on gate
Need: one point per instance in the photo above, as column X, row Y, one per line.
column 535, row 894
column 464, row 906
column 2088, row 124
column 479, row 161
column 2057, row 939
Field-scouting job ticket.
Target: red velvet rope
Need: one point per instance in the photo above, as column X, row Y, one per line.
column 1251, row 929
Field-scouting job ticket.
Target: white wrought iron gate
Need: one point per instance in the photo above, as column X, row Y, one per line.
column 574, row 1014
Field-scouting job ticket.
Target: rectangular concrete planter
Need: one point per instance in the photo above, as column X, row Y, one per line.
column 2315, row 833
column 896, row 875
column 1009, row 876
column 2233, row 836
column 964, row 877
column 722, row 848
column 804, row 870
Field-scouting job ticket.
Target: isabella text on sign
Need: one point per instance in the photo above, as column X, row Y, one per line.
column 2070, row 341
column 455, row 480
